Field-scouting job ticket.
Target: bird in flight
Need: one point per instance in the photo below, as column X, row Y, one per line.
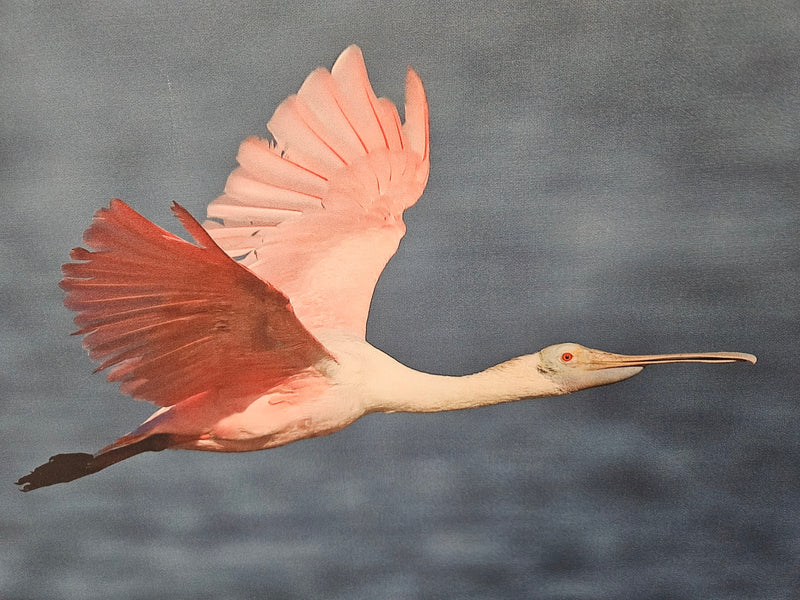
column 253, row 336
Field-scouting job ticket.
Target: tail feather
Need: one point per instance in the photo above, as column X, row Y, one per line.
column 62, row 468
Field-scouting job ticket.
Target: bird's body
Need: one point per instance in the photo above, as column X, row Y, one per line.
column 254, row 336
column 334, row 393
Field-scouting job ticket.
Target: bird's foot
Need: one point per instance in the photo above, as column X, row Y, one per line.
column 59, row 469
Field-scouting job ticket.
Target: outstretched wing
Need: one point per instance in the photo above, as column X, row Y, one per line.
column 171, row 319
column 318, row 213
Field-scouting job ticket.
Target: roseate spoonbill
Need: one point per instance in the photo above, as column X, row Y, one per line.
column 254, row 335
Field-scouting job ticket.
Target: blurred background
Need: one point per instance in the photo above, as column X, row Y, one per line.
column 622, row 175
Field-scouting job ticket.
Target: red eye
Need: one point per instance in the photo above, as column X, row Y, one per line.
column 566, row 357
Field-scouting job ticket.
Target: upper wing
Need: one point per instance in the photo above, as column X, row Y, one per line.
column 172, row 319
column 318, row 213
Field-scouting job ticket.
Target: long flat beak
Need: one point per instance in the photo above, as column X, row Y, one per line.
column 609, row 360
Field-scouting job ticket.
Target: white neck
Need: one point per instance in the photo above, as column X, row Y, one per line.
column 398, row 388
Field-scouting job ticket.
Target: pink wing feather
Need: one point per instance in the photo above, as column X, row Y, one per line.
column 172, row 320
column 319, row 213
column 313, row 217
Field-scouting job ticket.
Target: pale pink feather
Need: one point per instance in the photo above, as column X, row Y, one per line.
column 318, row 213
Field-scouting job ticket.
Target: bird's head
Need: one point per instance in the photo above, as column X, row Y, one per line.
column 574, row 367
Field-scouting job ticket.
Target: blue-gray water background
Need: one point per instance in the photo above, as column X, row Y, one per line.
column 624, row 175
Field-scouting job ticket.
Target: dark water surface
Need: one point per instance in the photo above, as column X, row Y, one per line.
column 624, row 176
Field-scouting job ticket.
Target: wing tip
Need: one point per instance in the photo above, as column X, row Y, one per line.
column 352, row 55
column 193, row 227
column 417, row 125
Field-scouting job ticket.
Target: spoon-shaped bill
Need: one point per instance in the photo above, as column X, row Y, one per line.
column 609, row 360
